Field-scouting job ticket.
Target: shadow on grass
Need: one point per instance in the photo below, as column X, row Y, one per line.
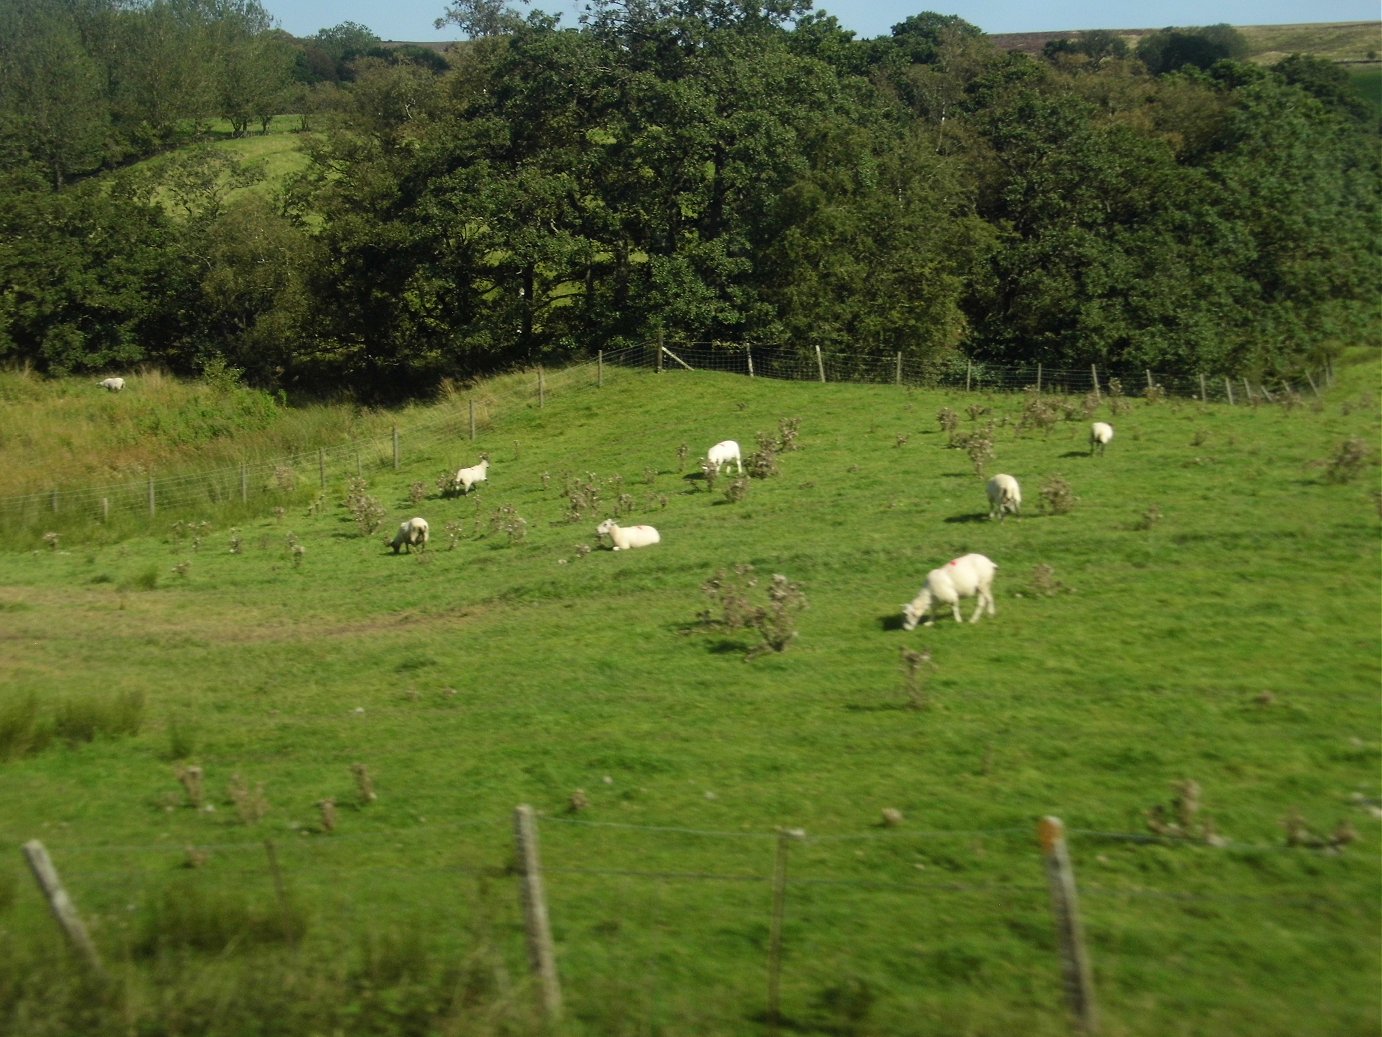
column 978, row 517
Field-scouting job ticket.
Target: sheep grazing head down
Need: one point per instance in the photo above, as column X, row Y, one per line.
column 970, row 576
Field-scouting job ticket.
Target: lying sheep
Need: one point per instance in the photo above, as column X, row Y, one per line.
column 965, row 577
column 112, row 384
column 1099, row 435
column 1004, row 496
column 626, row 537
column 411, row 534
column 721, row 454
column 468, row 477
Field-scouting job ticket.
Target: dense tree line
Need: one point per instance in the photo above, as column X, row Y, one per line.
column 708, row 170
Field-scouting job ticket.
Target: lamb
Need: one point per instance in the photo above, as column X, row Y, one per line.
column 1004, row 496
column 411, row 534
column 965, row 577
column 465, row 478
column 721, row 454
column 627, row 537
column 1099, row 435
column 112, row 384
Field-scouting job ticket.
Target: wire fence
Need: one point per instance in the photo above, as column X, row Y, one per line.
column 715, row 927
column 257, row 486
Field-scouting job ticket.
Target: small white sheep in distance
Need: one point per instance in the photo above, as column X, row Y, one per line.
column 468, row 477
column 112, row 384
column 965, row 577
column 722, row 453
column 1099, row 435
column 1004, row 496
column 626, row 537
column 411, row 534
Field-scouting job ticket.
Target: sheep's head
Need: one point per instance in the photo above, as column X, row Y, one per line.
column 604, row 527
column 914, row 610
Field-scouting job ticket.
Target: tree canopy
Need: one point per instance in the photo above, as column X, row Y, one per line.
column 721, row 171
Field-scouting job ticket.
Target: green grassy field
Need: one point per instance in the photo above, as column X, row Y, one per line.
column 1206, row 612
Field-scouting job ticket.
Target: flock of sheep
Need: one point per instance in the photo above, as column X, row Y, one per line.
column 969, row 576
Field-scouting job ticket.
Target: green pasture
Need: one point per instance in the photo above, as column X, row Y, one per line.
column 1206, row 612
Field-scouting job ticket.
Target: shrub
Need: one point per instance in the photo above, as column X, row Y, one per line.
column 775, row 622
column 367, row 512
column 1348, row 462
column 1057, row 496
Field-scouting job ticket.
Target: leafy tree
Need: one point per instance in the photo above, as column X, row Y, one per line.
column 1171, row 49
column 52, row 92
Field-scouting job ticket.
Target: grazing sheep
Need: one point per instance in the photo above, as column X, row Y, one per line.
column 467, row 477
column 965, row 577
column 112, row 384
column 626, row 537
column 411, row 534
column 721, row 454
column 1004, row 496
column 1099, row 435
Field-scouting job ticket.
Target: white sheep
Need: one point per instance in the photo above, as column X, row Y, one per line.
column 721, row 454
column 1004, row 496
column 467, row 477
column 112, row 384
column 411, row 534
column 1099, row 435
column 626, row 537
column 965, row 577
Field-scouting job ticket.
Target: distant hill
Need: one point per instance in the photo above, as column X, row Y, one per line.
column 1337, row 41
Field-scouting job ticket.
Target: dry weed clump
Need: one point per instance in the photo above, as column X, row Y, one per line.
column 367, row 512
column 1299, row 833
column 949, row 422
column 1044, row 581
column 1181, row 819
column 1350, row 458
column 364, row 784
column 249, row 800
column 914, row 681
column 774, row 622
column 506, row 520
column 1057, row 495
column 191, row 779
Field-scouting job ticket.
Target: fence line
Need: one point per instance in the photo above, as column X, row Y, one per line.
column 798, row 936
column 266, row 483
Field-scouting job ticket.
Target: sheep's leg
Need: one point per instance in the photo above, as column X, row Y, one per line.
column 955, row 608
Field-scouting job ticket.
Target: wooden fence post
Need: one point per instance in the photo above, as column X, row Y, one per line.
column 541, row 400
column 1228, row 390
column 1312, row 383
column 541, row 955
column 1038, row 379
column 472, row 421
column 600, row 369
column 105, row 509
column 659, row 350
column 1204, row 393
column 1247, row 391
column 779, row 912
column 748, row 352
column 63, row 909
column 897, row 373
column 153, row 505
column 397, row 456
column 820, row 363
column 1079, row 977
column 1094, row 374
column 969, row 373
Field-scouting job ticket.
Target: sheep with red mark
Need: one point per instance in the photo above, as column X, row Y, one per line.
column 968, row 576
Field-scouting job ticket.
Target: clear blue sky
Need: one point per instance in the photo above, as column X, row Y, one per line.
column 411, row 20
